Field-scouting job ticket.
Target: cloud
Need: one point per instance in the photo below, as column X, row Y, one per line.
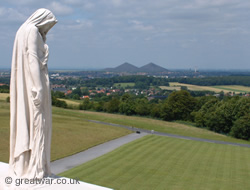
column 137, row 25
column 116, row 2
column 73, row 2
column 209, row 3
column 60, row 9
column 77, row 25
column 22, row 2
column 11, row 15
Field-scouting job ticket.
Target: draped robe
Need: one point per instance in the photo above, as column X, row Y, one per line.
column 30, row 99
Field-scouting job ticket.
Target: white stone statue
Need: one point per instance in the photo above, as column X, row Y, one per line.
column 30, row 99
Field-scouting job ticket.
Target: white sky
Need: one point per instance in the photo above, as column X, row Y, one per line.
column 211, row 34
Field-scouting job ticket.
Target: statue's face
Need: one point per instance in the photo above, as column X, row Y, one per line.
column 45, row 28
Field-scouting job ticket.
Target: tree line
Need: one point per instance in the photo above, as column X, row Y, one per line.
column 4, row 89
column 227, row 115
column 146, row 81
column 140, row 81
column 214, row 81
column 230, row 116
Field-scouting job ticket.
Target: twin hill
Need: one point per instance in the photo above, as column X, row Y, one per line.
column 129, row 68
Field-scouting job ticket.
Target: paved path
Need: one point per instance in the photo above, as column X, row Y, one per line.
column 172, row 135
column 69, row 162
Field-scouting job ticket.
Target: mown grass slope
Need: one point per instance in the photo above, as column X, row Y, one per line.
column 71, row 134
column 155, row 162
column 151, row 124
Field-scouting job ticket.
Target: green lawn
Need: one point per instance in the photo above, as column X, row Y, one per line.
column 155, row 162
column 152, row 124
column 71, row 134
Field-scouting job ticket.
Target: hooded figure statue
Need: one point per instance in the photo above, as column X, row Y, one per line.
column 30, row 99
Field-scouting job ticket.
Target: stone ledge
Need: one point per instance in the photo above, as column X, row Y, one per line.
column 50, row 183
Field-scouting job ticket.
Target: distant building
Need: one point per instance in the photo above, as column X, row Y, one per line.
column 54, row 75
column 68, row 92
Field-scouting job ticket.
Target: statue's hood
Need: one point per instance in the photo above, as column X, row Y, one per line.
column 42, row 18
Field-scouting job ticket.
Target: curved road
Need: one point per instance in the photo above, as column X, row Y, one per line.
column 69, row 162
column 171, row 135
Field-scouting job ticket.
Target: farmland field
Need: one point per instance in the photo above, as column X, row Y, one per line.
column 73, row 103
column 217, row 89
column 234, row 88
column 123, row 85
column 155, row 162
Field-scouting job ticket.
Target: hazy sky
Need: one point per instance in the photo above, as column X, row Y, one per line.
column 213, row 34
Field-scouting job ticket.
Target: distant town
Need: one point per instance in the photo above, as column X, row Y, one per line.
column 199, row 97
column 68, row 81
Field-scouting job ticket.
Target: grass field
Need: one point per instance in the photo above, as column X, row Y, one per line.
column 234, row 88
column 71, row 128
column 71, row 134
column 123, row 85
column 3, row 96
column 155, row 162
column 153, row 124
column 71, row 102
column 217, row 89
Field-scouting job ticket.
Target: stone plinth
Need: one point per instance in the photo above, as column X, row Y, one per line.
column 51, row 183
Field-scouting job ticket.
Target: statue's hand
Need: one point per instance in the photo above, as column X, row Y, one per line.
column 37, row 97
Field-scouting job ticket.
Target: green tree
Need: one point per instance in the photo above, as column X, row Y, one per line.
column 142, row 106
column 86, row 104
column 77, row 91
column 156, row 110
column 113, row 105
column 127, row 105
column 202, row 117
column 179, row 106
column 58, row 103
column 99, row 106
column 241, row 128
column 58, row 94
column 76, row 97
column 85, row 91
column 219, row 116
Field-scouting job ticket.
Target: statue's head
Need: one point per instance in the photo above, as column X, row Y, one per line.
column 43, row 19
